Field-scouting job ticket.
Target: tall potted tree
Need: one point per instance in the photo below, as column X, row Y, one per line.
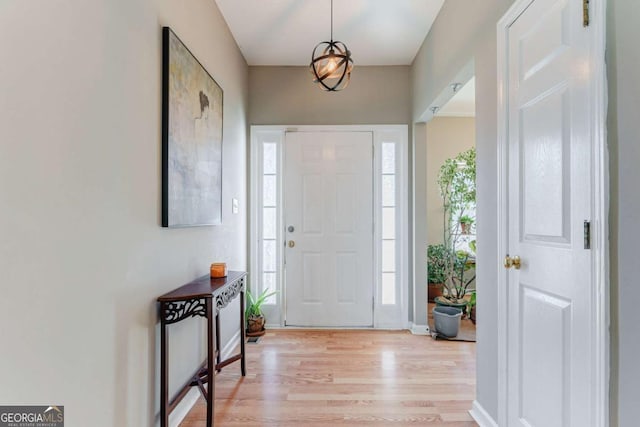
column 457, row 182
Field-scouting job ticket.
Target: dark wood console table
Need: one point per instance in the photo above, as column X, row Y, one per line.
column 203, row 297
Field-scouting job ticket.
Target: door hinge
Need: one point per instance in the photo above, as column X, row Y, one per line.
column 585, row 13
column 587, row 234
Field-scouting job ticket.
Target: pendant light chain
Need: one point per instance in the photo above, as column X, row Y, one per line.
column 331, row 20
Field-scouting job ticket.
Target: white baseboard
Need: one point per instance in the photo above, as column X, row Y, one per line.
column 185, row 405
column 419, row 329
column 227, row 350
column 481, row 416
column 183, row 408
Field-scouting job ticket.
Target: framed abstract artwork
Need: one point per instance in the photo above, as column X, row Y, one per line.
column 191, row 139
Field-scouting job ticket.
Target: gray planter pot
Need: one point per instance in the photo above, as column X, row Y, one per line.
column 447, row 320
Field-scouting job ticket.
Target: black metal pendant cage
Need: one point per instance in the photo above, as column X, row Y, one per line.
column 331, row 65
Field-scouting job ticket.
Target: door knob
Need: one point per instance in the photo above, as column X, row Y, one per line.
column 512, row 262
column 291, row 243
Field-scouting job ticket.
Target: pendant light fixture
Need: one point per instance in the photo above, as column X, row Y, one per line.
column 331, row 63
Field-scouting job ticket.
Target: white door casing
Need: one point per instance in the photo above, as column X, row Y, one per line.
column 552, row 325
column 328, row 216
column 390, row 309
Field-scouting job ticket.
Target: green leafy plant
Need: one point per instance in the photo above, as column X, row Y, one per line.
column 472, row 302
column 457, row 182
column 436, row 263
column 254, row 304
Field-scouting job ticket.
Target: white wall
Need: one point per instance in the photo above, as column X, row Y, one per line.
column 463, row 32
column 82, row 253
column 419, row 224
column 623, row 58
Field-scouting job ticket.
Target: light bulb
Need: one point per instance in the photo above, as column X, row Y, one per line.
column 331, row 64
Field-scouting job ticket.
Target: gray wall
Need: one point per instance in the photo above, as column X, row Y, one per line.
column 623, row 58
column 286, row 95
column 82, row 253
column 466, row 31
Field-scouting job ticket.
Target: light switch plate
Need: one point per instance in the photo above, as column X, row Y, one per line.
column 234, row 206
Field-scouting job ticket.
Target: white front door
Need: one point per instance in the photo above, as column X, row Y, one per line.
column 550, row 357
column 328, row 218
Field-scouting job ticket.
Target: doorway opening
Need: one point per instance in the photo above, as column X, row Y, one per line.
column 451, row 208
column 446, row 132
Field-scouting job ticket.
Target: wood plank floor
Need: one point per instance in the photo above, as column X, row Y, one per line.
column 346, row 378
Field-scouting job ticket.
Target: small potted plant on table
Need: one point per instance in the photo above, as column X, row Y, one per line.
column 465, row 224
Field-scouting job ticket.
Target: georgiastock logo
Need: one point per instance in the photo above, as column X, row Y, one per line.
column 32, row 416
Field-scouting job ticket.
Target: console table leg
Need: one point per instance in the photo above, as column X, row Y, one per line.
column 243, row 368
column 218, row 357
column 211, row 364
column 164, row 377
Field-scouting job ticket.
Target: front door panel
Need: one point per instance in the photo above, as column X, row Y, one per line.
column 328, row 193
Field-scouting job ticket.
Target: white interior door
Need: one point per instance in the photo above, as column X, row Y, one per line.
column 550, row 351
column 328, row 215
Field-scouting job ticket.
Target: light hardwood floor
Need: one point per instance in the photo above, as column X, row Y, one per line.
column 346, row 378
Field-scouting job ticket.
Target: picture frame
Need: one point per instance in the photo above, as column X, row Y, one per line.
column 192, row 132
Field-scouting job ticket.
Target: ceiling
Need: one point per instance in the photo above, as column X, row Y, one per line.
column 463, row 103
column 284, row 32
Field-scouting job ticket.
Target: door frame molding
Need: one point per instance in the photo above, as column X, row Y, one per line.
column 381, row 313
column 600, row 208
